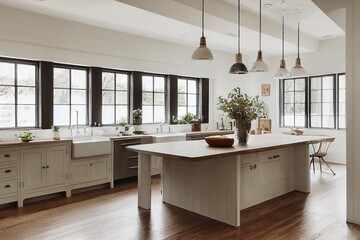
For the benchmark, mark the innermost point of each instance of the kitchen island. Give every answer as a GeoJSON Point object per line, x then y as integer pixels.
{"type": "Point", "coordinates": [219, 182]}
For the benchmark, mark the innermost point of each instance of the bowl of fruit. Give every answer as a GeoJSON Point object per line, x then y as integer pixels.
{"type": "Point", "coordinates": [219, 141]}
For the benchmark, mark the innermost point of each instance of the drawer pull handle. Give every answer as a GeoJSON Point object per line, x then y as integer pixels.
{"type": "Point", "coordinates": [8, 171]}
{"type": "Point", "coordinates": [270, 157]}
{"type": "Point", "coordinates": [276, 156]}
{"type": "Point", "coordinates": [134, 167]}
{"type": "Point", "coordinates": [7, 155]}
{"type": "Point", "coordinates": [7, 186]}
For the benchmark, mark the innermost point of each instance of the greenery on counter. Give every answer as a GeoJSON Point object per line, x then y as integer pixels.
{"type": "Point", "coordinates": [187, 118]}
{"type": "Point", "coordinates": [26, 136]}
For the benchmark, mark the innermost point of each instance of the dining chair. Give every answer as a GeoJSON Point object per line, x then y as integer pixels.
{"type": "Point", "coordinates": [319, 150]}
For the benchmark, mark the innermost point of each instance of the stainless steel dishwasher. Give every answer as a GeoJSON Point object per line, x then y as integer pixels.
{"type": "Point", "coordinates": [125, 161]}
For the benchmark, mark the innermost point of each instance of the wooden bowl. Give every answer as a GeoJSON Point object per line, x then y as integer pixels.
{"type": "Point", "coordinates": [219, 142]}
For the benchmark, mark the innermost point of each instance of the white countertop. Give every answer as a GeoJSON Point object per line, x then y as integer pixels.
{"type": "Point", "coordinates": [197, 150]}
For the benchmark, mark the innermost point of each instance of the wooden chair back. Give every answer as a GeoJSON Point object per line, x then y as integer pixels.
{"type": "Point", "coordinates": [321, 147]}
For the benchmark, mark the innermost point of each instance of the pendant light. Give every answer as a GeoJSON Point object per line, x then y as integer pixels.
{"type": "Point", "coordinates": [259, 65]}
{"type": "Point", "coordinates": [202, 52]}
{"type": "Point", "coordinates": [298, 70]}
{"type": "Point", "coordinates": [282, 72]}
{"type": "Point", "coordinates": [238, 67]}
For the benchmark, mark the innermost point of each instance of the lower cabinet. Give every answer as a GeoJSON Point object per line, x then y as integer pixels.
{"type": "Point", "coordinates": [9, 174]}
{"type": "Point", "coordinates": [266, 175]}
{"type": "Point", "coordinates": [44, 170]}
{"type": "Point", "coordinates": [91, 171]}
{"type": "Point", "coordinates": [156, 165]}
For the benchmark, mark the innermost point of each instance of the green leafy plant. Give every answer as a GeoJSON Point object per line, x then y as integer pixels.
{"type": "Point", "coordinates": [26, 136]}
{"type": "Point", "coordinates": [137, 113]}
{"type": "Point", "coordinates": [187, 118]}
{"type": "Point", "coordinates": [241, 107]}
{"type": "Point", "coordinates": [55, 128]}
{"type": "Point", "coordinates": [122, 122]}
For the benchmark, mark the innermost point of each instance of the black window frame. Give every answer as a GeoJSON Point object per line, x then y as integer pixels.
{"type": "Point", "coordinates": [114, 71]}
{"type": "Point", "coordinates": [187, 79]}
{"type": "Point", "coordinates": [36, 86]}
{"type": "Point", "coordinates": [87, 90]}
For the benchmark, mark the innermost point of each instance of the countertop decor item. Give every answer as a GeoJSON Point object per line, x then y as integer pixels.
{"type": "Point", "coordinates": [137, 116]}
{"type": "Point", "coordinates": [243, 109]}
{"type": "Point", "coordinates": [26, 136]}
{"type": "Point", "coordinates": [219, 141]}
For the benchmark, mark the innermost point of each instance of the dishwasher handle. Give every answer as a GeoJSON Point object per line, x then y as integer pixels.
{"type": "Point", "coordinates": [128, 144]}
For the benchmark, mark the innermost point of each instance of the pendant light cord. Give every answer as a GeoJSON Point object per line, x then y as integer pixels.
{"type": "Point", "coordinates": [238, 26]}
{"type": "Point", "coordinates": [283, 35]}
{"type": "Point", "coordinates": [298, 40]}
{"type": "Point", "coordinates": [260, 28]}
{"type": "Point", "coordinates": [202, 19]}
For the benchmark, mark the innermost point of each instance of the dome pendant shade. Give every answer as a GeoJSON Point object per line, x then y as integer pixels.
{"type": "Point", "coordinates": [259, 65]}
{"type": "Point", "coordinates": [238, 67]}
{"type": "Point", "coordinates": [202, 52]}
{"type": "Point", "coordinates": [298, 70]}
{"type": "Point", "coordinates": [282, 71]}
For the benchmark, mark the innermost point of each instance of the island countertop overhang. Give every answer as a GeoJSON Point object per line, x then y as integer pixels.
{"type": "Point", "coordinates": [199, 150]}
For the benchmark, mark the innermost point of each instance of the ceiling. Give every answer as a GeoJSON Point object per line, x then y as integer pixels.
{"type": "Point", "coordinates": [179, 21]}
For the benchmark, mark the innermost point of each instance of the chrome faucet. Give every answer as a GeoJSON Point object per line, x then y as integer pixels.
{"type": "Point", "coordinates": [161, 127]}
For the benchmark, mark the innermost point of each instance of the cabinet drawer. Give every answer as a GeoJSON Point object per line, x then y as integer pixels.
{"type": "Point", "coordinates": [8, 172]}
{"type": "Point", "coordinates": [8, 187]}
{"type": "Point", "coordinates": [9, 155]}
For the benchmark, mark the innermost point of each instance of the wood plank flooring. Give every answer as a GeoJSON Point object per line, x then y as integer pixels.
{"type": "Point", "coordinates": [113, 214]}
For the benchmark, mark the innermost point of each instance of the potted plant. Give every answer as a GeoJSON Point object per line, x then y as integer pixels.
{"type": "Point", "coordinates": [193, 119]}
{"type": "Point", "coordinates": [26, 136]}
{"type": "Point", "coordinates": [137, 116]}
{"type": "Point", "coordinates": [243, 109]}
{"type": "Point", "coordinates": [56, 135]}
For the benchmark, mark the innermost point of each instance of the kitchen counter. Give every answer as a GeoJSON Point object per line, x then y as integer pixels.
{"type": "Point", "coordinates": [33, 142]}
{"type": "Point", "coordinates": [218, 182]}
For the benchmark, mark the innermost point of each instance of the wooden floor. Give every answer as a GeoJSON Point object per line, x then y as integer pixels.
{"type": "Point", "coordinates": [113, 214]}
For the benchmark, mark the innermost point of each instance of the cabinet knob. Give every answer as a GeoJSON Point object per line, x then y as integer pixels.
{"type": "Point", "coordinates": [7, 186]}
{"type": "Point", "coordinates": [47, 166]}
{"type": "Point", "coordinates": [276, 156]}
{"type": "Point", "coordinates": [43, 167]}
{"type": "Point", "coordinates": [7, 155]}
{"type": "Point", "coordinates": [8, 171]}
{"type": "Point", "coordinates": [251, 167]}
{"type": "Point", "coordinates": [255, 166]}
{"type": "Point", "coordinates": [91, 164]}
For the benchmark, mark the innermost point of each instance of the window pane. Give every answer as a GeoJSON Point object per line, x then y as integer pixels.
{"type": "Point", "coordinates": [78, 97]}
{"type": "Point", "coordinates": [328, 109]}
{"type": "Point", "coordinates": [147, 83]}
{"type": "Point", "coordinates": [289, 121]}
{"type": "Point", "coordinates": [26, 75]}
{"type": "Point", "coordinates": [159, 114]}
{"type": "Point", "coordinates": [78, 79]}
{"type": "Point", "coordinates": [159, 99]}
{"type": "Point", "coordinates": [289, 109]}
{"type": "Point", "coordinates": [289, 85]}
{"type": "Point", "coordinates": [108, 114]}
{"type": "Point", "coordinates": [341, 81]}
{"type": "Point", "coordinates": [328, 95]}
{"type": "Point", "coordinates": [192, 86]}
{"type": "Point", "coordinates": [121, 81]}
{"type": "Point", "coordinates": [342, 122]}
{"type": "Point", "coordinates": [61, 78]}
{"type": "Point", "coordinates": [316, 109]}
{"type": "Point", "coordinates": [159, 84]}
{"type": "Point", "coordinates": [121, 113]}
{"type": "Point", "coordinates": [342, 95]}
{"type": "Point", "coordinates": [328, 82]}
{"type": "Point", "coordinates": [316, 96]}
{"type": "Point", "coordinates": [192, 110]}
{"type": "Point", "coordinates": [342, 109]}
{"type": "Point", "coordinates": [147, 114]}
{"type": "Point", "coordinates": [300, 109]}
{"type": "Point", "coordinates": [300, 121]}
{"type": "Point", "coordinates": [7, 94]}
{"type": "Point", "coordinates": [61, 115]}
{"type": "Point", "coordinates": [182, 99]}
{"type": "Point", "coordinates": [315, 83]}
{"type": "Point", "coordinates": [81, 109]}
{"type": "Point", "coordinates": [61, 96]}
{"type": "Point", "coordinates": [192, 100]}
{"type": "Point", "coordinates": [7, 116]}
{"type": "Point", "coordinates": [147, 98]}
{"type": "Point", "coordinates": [181, 111]}
{"type": "Point", "coordinates": [300, 84]}
{"type": "Point", "coordinates": [121, 97]}
{"type": "Point", "coordinates": [108, 81]}
{"type": "Point", "coordinates": [328, 122]}
{"type": "Point", "coordinates": [299, 97]}
{"type": "Point", "coordinates": [26, 115]}
{"type": "Point", "coordinates": [181, 86]}
{"type": "Point", "coordinates": [26, 95]}
{"type": "Point", "coordinates": [7, 74]}
{"type": "Point", "coordinates": [315, 121]}
{"type": "Point", "coordinates": [108, 97]}
{"type": "Point", "coordinates": [289, 97]}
